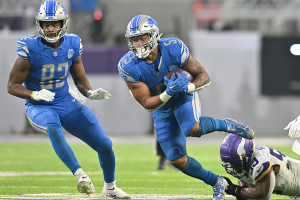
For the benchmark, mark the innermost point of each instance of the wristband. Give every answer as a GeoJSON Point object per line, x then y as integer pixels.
{"type": "Point", "coordinates": [235, 190]}
{"type": "Point", "coordinates": [191, 87]}
{"type": "Point", "coordinates": [164, 97]}
{"type": "Point", "coordinates": [31, 96]}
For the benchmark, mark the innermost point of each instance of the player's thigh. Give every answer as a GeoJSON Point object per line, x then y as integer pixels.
{"type": "Point", "coordinates": [85, 125]}
{"type": "Point", "coordinates": [42, 116]}
{"type": "Point", "coordinates": [170, 137]}
{"type": "Point", "coordinates": [187, 110]}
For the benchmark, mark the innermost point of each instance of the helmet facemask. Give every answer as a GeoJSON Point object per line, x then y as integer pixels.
{"type": "Point", "coordinates": [140, 26]}
{"type": "Point", "coordinates": [52, 11]}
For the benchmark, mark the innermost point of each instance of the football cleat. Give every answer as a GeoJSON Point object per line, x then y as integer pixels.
{"type": "Point", "coordinates": [85, 185]}
{"type": "Point", "coordinates": [219, 189]}
{"type": "Point", "coordinates": [114, 192]}
{"type": "Point", "coordinates": [239, 128]}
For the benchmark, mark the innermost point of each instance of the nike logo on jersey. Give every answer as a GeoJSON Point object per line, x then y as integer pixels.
{"type": "Point", "coordinates": [112, 188]}
{"type": "Point", "coordinates": [73, 100]}
{"type": "Point", "coordinates": [258, 169]}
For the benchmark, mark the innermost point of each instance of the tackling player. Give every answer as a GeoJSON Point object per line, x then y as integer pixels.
{"type": "Point", "coordinates": [39, 75]}
{"type": "Point", "coordinates": [260, 170]}
{"type": "Point", "coordinates": [175, 104]}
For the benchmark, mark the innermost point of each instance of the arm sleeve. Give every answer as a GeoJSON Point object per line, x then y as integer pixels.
{"type": "Point", "coordinates": [22, 49]}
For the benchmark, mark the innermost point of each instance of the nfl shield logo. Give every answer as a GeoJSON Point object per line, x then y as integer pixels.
{"type": "Point", "coordinates": [54, 53]}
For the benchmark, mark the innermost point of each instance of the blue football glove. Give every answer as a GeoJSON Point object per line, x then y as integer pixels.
{"type": "Point", "coordinates": [180, 85]}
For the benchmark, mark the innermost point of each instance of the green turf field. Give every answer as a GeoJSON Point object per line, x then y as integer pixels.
{"type": "Point", "coordinates": [33, 171]}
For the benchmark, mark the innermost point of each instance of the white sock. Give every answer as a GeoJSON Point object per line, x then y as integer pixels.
{"type": "Point", "coordinates": [79, 173]}
{"type": "Point", "coordinates": [110, 185]}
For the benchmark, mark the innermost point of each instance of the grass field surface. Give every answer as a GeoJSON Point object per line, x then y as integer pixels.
{"type": "Point", "coordinates": [33, 171]}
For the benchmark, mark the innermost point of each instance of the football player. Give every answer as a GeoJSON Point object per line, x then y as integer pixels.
{"type": "Point", "coordinates": [39, 75]}
{"type": "Point", "coordinates": [175, 103]}
{"type": "Point", "coordinates": [260, 170]}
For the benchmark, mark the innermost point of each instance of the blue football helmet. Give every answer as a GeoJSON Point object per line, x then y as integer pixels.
{"type": "Point", "coordinates": [52, 11]}
{"type": "Point", "coordinates": [236, 153]}
{"type": "Point", "coordinates": [140, 25]}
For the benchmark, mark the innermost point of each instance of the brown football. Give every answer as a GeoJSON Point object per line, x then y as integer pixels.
{"type": "Point", "coordinates": [180, 71]}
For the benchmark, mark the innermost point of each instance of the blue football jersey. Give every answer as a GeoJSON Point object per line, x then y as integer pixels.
{"type": "Point", "coordinates": [174, 54]}
{"type": "Point", "coordinates": [49, 67]}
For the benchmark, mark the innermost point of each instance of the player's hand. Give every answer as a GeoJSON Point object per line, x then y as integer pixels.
{"type": "Point", "coordinates": [180, 85]}
{"type": "Point", "coordinates": [232, 189]}
{"type": "Point", "coordinates": [98, 94]}
{"type": "Point", "coordinates": [43, 94]}
{"type": "Point", "coordinates": [294, 128]}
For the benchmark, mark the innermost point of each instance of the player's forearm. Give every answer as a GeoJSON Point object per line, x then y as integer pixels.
{"type": "Point", "coordinates": [83, 85]}
{"type": "Point", "coordinates": [152, 103]}
{"type": "Point", "coordinates": [201, 79]}
{"type": "Point", "coordinates": [18, 90]}
{"type": "Point", "coordinates": [252, 193]}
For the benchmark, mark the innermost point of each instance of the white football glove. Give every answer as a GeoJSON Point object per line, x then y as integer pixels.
{"type": "Point", "coordinates": [98, 94]}
{"type": "Point", "coordinates": [43, 94]}
{"type": "Point", "coordinates": [294, 127]}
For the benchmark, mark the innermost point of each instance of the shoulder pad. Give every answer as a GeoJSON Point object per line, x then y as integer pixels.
{"type": "Point", "coordinates": [25, 44]}
{"type": "Point", "coordinates": [260, 166]}
{"type": "Point", "coordinates": [125, 67]}
{"type": "Point", "coordinates": [75, 41]}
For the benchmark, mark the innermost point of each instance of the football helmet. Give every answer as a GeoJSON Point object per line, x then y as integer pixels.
{"type": "Point", "coordinates": [140, 25]}
{"type": "Point", "coordinates": [236, 153]}
{"type": "Point", "coordinates": [52, 11]}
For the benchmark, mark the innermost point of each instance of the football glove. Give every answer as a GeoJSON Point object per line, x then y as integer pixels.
{"type": "Point", "coordinates": [180, 85]}
{"type": "Point", "coordinates": [43, 94]}
{"type": "Point", "coordinates": [233, 189]}
{"type": "Point", "coordinates": [294, 128]}
{"type": "Point", "coordinates": [98, 94]}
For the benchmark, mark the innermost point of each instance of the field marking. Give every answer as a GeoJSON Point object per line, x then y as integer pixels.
{"type": "Point", "coordinates": [101, 196]}
{"type": "Point", "coordinates": [42, 173]}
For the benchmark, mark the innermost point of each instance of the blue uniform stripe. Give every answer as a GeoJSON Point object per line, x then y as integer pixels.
{"type": "Point", "coordinates": [50, 8]}
{"type": "Point", "coordinates": [135, 23]}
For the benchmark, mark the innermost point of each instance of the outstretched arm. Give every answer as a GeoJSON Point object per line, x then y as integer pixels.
{"type": "Point", "coordinates": [260, 191]}
{"type": "Point", "coordinates": [294, 128]}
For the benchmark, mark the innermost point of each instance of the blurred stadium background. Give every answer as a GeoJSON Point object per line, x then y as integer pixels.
{"type": "Point", "coordinates": [243, 44]}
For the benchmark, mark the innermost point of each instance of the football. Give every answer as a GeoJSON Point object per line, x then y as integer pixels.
{"type": "Point", "coordinates": [180, 71]}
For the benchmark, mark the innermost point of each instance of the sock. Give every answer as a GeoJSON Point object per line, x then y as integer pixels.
{"type": "Point", "coordinates": [195, 169]}
{"type": "Point", "coordinates": [79, 172]}
{"type": "Point", "coordinates": [62, 148]}
{"type": "Point", "coordinates": [209, 124]}
{"type": "Point", "coordinates": [110, 185]}
{"type": "Point", "coordinates": [108, 163]}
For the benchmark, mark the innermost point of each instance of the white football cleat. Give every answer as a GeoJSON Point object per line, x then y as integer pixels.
{"type": "Point", "coordinates": [111, 190]}
{"type": "Point", "coordinates": [85, 184]}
